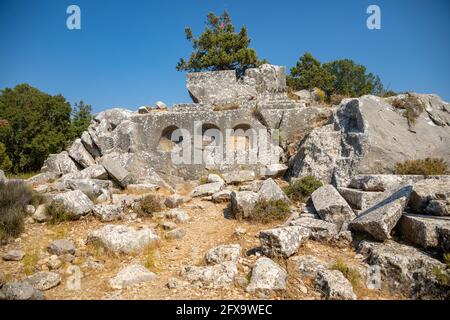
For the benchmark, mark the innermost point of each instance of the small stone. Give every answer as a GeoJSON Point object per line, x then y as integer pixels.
{"type": "Point", "coordinates": [175, 234]}
{"type": "Point", "coordinates": [44, 280]}
{"type": "Point", "coordinates": [14, 255]}
{"type": "Point", "coordinates": [60, 247]}
{"type": "Point", "coordinates": [131, 275]}
{"type": "Point", "coordinates": [169, 225]}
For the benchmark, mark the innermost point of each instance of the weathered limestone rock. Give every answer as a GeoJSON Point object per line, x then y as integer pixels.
{"type": "Point", "coordinates": [14, 255]}
{"type": "Point", "coordinates": [75, 202]}
{"type": "Point", "coordinates": [382, 182]}
{"type": "Point", "coordinates": [131, 275]}
{"type": "Point", "coordinates": [223, 253]}
{"type": "Point", "coordinates": [330, 206]}
{"type": "Point", "coordinates": [334, 285]}
{"type": "Point", "coordinates": [169, 225]}
{"type": "Point", "coordinates": [274, 170]}
{"type": "Point", "coordinates": [90, 187]}
{"type": "Point", "coordinates": [214, 178]}
{"type": "Point", "coordinates": [270, 191]}
{"type": "Point", "coordinates": [381, 218]}
{"type": "Point", "coordinates": [368, 135]}
{"type": "Point", "coordinates": [90, 145]}
{"type": "Point", "coordinates": [177, 214]}
{"type": "Point", "coordinates": [221, 196]}
{"type": "Point", "coordinates": [117, 172]}
{"type": "Point", "coordinates": [59, 163]}
{"type": "Point", "coordinates": [60, 247]}
{"type": "Point", "coordinates": [108, 212]}
{"type": "Point", "coordinates": [404, 268]}
{"type": "Point", "coordinates": [80, 155]}
{"type": "Point", "coordinates": [44, 280]}
{"type": "Point", "coordinates": [40, 215]}
{"type": "Point", "coordinates": [239, 176]}
{"type": "Point", "coordinates": [175, 200]}
{"type": "Point", "coordinates": [93, 172]}
{"type": "Point", "coordinates": [142, 187]}
{"type": "Point", "coordinates": [316, 225]}
{"type": "Point", "coordinates": [308, 266]}
{"type": "Point", "coordinates": [284, 241]}
{"type": "Point", "coordinates": [426, 193]}
{"type": "Point", "coordinates": [423, 230]}
{"type": "Point", "coordinates": [267, 275]}
{"type": "Point", "coordinates": [242, 203]}
{"type": "Point", "coordinates": [20, 291]}
{"type": "Point", "coordinates": [358, 199]}
{"type": "Point", "coordinates": [42, 178]}
{"type": "Point", "coordinates": [175, 234]}
{"type": "Point", "coordinates": [206, 189]}
{"type": "Point", "coordinates": [122, 239]}
{"type": "Point", "coordinates": [217, 276]}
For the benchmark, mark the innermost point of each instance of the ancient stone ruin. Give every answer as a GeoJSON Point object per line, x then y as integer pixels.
{"type": "Point", "coordinates": [391, 230]}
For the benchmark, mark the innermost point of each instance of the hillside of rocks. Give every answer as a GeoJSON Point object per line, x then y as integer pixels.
{"type": "Point", "coordinates": [363, 233]}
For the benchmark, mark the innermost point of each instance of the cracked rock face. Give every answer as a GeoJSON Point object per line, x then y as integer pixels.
{"type": "Point", "coordinates": [369, 135]}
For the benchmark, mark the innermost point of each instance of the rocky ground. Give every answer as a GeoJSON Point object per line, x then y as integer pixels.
{"type": "Point", "coordinates": [199, 250]}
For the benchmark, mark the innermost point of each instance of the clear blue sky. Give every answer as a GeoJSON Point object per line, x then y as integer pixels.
{"type": "Point", "coordinates": [126, 52]}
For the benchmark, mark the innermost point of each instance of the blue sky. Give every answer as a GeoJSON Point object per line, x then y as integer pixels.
{"type": "Point", "coordinates": [126, 52]}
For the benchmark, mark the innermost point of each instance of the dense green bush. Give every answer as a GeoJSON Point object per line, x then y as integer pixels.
{"type": "Point", "coordinates": [57, 212]}
{"type": "Point", "coordinates": [34, 124]}
{"type": "Point", "coordinates": [428, 166]}
{"type": "Point", "coordinates": [268, 211]}
{"type": "Point", "coordinates": [301, 189]}
{"type": "Point", "coordinates": [14, 196]}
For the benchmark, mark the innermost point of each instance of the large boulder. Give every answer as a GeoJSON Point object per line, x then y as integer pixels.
{"type": "Point", "coordinates": [59, 163]}
{"type": "Point", "coordinates": [61, 246]}
{"type": "Point", "coordinates": [44, 280]}
{"type": "Point", "coordinates": [381, 218]}
{"type": "Point", "coordinates": [240, 176]}
{"type": "Point", "coordinates": [80, 155]}
{"type": "Point", "coordinates": [242, 203]}
{"type": "Point", "coordinates": [424, 231]}
{"type": "Point", "coordinates": [116, 171]}
{"type": "Point", "coordinates": [431, 196]}
{"type": "Point", "coordinates": [369, 135]}
{"type": "Point", "coordinates": [284, 241]}
{"type": "Point", "coordinates": [359, 199]}
{"type": "Point", "coordinates": [108, 212]}
{"type": "Point", "coordinates": [405, 269]}
{"type": "Point", "coordinates": [75, 202]}
{"type": "Point", "coordinates": [20, 291]}
{"type": "Point", "coordinates": [267, 275]}
{"type": "Point", "coordinates": [334, 285]}
{"type": "Point", "coordinates": [270, 191]}
{"type": "Point", "coordinates": [122, 239]}
{"type": "Point", "coordinates": [206, 189]}
{"type": "Point", "coordinates": [330, 205]}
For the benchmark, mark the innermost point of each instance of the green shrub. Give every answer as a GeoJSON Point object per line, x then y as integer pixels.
{"type": "Point", "coordinates": [300, 190]}
{"type": "Point", "coordinates": [203, 180]}
{"type": "Point", "coordinates": [14, 196]}
{"type": "Point", "coordinates": [57, 212]}
{"type": "Point", "coordinates": [150, 204]}
{"type": "Point", "coordinates": [5, 161]}
{"type": "Point", "coordinates": [428, 166]}
{"type": "Point", "coordinates": [320, 95]}
{"type": "Point", "coordinates": [268, 211]}
{"type": "Point", "coordinates": [351, 274]}
{"type": "Point", "coordinates": [442, 277]}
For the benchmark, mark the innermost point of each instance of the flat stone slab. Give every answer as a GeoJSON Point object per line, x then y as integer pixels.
{"type": "Point", "coordinates": [122, 239]}
{"type": "Point", "coordinates": [131, 275]}
{"type": "Point", "coordinates": [331, 206]}
{"type": "Point", "coordinates": [358, 199]}
{"type": "Point", "coordinates": [424, 231]}
{"type": "Point", "coordinates": [381, 218]}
